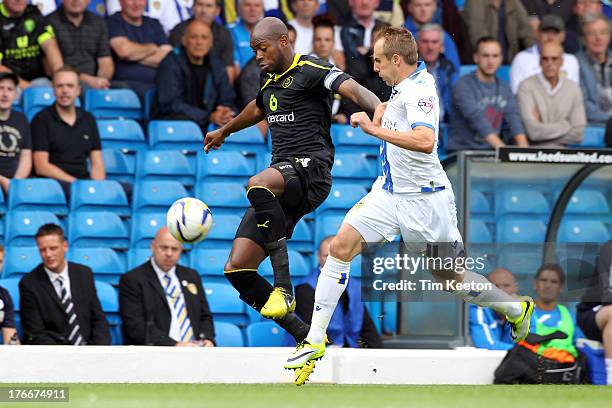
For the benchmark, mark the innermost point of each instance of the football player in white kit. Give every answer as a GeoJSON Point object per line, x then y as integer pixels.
{"type": "Point", "coordinates": [413, 198]}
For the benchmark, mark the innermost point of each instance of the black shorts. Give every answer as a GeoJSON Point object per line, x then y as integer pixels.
{"type": "Point", "coordinates": [308, 182]}
{"type": "Point", "coordinates": [585, 318]}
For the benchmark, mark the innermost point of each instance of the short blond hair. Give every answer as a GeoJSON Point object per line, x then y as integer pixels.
{"type": "Point", "coordinates": [400, 41]}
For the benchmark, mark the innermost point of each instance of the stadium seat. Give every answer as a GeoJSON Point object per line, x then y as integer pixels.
{"type": "Point", "coordinates": [148, 103]}
{"type": "Point", "coordinates": [326, 226]}
{"type": "Point", "coordinates": [109, 300]}
{"type": "Point", "coordinates": [520, 229]}
{"type": "Point", "coordinates": [210, 264]}
{"type": "Point", "coordinates": [36, 99]}
{"type": "Point", "coordinates": [593, 137]}
{"type": "Point", "coordinates": [21, 226]}
{"type": "Point", "coordinates": [99, 195]}
{"type": "Point", "coordinates": [144, 228]}
{"type": "Point", "coordinates": [354, 168]}
{"type": "Point", "coordinates": [588, 202]}
{"type": "Point", "coordinates": [223, 197]}
{"type": "Point", "coordinates": [301, 240]}
{"type": "Point", "coordinates": [228, 335]}
{"type": "Point", "coordinates": [579, 230]}
{"type": "Point", "coordinates": [502, 73]}
{"type": "Point", "coordinates": [156, 195]}
{"type": "Point", "coordinates": [520, 201]}
{"type": "Point", "coordinates": [138, 256]}
{"type": "Point", "coordinates": [222, 232]}
{"type": "Point", "coordinates": [181, 135]}
{"type": "Point", "coordinates": [523, 260]}
{"type": "Point", "coordinates": [20, 260]}
{"type": "Point", "coordinates": [106, 264]}
{"type": "Point", "coordinates": [12, 286]}
{"type": "Point", "coordinates": [165, 165]}
{"type": "Point", "coordinates": [353, 140]}
{"type": "Point", "coordinates": [113, 104]}
{"type": "Point", "coordinates": [265, 334]}
{"type": "Point", "coordinates": [119, 166]}
{"type": "Point", "coordinates": [341, 198]}
{"type": "Point", "coordinates": [2, 202]}
{"type": "Point", "coordinates": [225, 304]}
{"type": "Point", "coordinates": [479, 232]}
{"type": "Point", "coordinates": [246, 141]}
{"type": "Point", "coordinates": [97, 229]}
{"type": "Point", "coordinates": [225, 166]}
{"type": "Point", "coordinates": [467, 69]}
{"type": "Point", "coordinates": [479, 204]}
{"type": "Point", "coordinates": [297, 265]}
{"type": "Point", "coordinates": [124, 135]}
{"type": "Point", "coordinates": [37, 194]}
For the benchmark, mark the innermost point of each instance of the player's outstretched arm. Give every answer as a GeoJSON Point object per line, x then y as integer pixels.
{"type": "Point", "coordinates": [250, 115]}
{"type": "Point", "coordinates": [363, 97]}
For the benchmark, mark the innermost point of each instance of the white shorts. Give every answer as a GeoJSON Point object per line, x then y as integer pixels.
{"type": "Point", "coordinates": [418, 217]}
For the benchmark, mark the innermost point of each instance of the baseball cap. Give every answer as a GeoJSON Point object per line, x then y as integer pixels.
{"type": "Point", "coordinates": [552, 22]}
{"type": "Point", "coordinates": [11, 76]}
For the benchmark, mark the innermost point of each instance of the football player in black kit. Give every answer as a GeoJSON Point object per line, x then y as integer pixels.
{"type": "Point", "coordinates": [295, 97]}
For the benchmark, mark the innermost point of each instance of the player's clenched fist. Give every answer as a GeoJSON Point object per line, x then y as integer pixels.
{"type": "Point", "coordinates": [214, 139]}
{"type": "Point", "coordinates": [362, 120]}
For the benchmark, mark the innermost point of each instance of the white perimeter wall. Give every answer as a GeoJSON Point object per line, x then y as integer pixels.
{"type": "Point", "coordinates": [130, 364]}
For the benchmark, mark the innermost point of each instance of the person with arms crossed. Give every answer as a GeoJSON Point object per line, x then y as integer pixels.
{"type": "Point", "coordinates": [295, 97]}
{"type": "Point", "coordinates": [413, 198]}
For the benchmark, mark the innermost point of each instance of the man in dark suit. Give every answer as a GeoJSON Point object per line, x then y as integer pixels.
{"type": "Point", "coordinates": [162, 303]}
{"type": "Point", "coordinates": [59, 303]}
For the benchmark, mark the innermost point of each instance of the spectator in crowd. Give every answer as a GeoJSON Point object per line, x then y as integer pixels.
{"type": "Point", "coordinates": [351, 324]}
{"type": "Point", "coordinates": [505, 20]}
{"type": "Point", "coordinates": [192, 83]}
{"type": "Point", "coordinates": [58, 299]}
{"type": "Point", "coordinates": [64, 136]}
{"type": "Point", "coordinates": [596, 68]}
{"type": "Point", "coordinates": [223, 46]}
{"type": "Point", "coordinates": [422, 12]}
{"type": "Point", "coordinates": [488, 329]}
{"type": "Point", "coordinates": [551, 105]}
{"type": "Point", "coordinates": [527, 62]}
{"type": "Point", "coordinates": [304, 11]}
{"type": "Point", "coordinates": [573, 29]}
{"type": "Point", "coordinates": [537, 9]}
{"type": "Point", "coordinates": [388, 11]}
{"type": "Point", "coordinates": [138, 43]}
{"type": "Point", "coordinates": [83, 40]}
{"type": "Point", "coordinates": [15, 141]}
{"type": "Point", "coordinates": [8, 330]}
{"type": "Point", "coordinates": [355, 40]}
{"type": "Point", "coordinates": [292, 35]}
{"type": "Point", "coordinates": [485, 112]}
{"type": "Point", "coordinates": [46, 7]}
{"type": "Point", "coordinates": [169, 13]}
{"type": "Point", "coordinates": [250, 12]}
{"type": "Point", "coordinates": [431, 49]}
{"type": "Point", "coordinates": [21, 24]}
{"type": "Point", "coordinates": [163, 303]}
{"type": "Point", "coordinates": [594, 312]}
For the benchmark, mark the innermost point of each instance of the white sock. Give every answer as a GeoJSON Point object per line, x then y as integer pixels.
{"type": "Point", "coordinates": [609, 371]}
{"type": "Point", "coordinates": [494, 298]}
{"type": "Point", "coordinates": [332, 282]}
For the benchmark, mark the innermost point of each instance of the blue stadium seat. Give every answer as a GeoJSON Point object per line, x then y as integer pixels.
{"type": "Point", "coordinates": [593, 137]}
{"type": "Point", "coordinates": [222, 232]}
{"type": "Point", "coordinates": [301, 240]}
{"type": "Point", "coordinates": [97, 229]}
{"type": "Point", "coordinates": [523, 260]}
{"type": "Point", "coordinates": [210, 264]}
{"type": "Point", "coordinates": [326, 226]}
{"type": "Point", "coordinates": [353, 140]}
{"type": "Point", "coordinates": [467, 69]}
{"type": "Point", "coordinates": [520, 229]}
{"type": "Point", "coordinates": [579, 230]}
{"type": "Point", "coordinates": [265, 334]}
{"type": "Point", "coordinates": [479, 232]}
{"type": "Point", "coordinates": [297, 265]}
{"type": "Point", "coordinates": [165, 165]}
{"type": "Point", "coordinates": [225, 166]}
{"type": "Point", "coordinates": [182, 135]}
{"type": "Point", "coordinates": [12, 286]}
{"type": "Point", "coordinates": [21, 226]}
{"type": "Point", "coordinates": [503, 73]}
{"type": "Point", "coordinates": [36, 99]}
{"type": "Point", "coordinates": [228, 335]}
{"type": "Point", "coordinates": [138, 256]}
{"type": "Point", "coordinates": [246, 141]}
{"type": "Point", "coordinates": [124, 135]}
{"type": "Point", "coordinates": [588, 202]}
{"type": "Point", "coordinates": [487, 254]}
{"type": "Point", "coordinates": [106, 264]}
{"type": "Point", "coordinates": [2, 202]}
{"type": "Point", "coordinates": [109, 300]}
{"type": "Point", "coordinates": [37, 194]}
{"type": "Point", "coordinates": [99, 195]}
{"type": "Point", "coordinates": [520, 201]}
{"type": "Point", "coordinates": [479, 204]}
{"type": "Point", "coordinates": [20, 260]}
{"type": "Point", "coordinates": [144, 228]}
{"type": "Point", "coordinates": [156, 195]}
{"type": "Point", "coordinates": [354, 168]}
{"type": "Point", "coordinates": [119, 166]}
{"type": "Point", "coordinates": [113, 104]}
{"type": "Point", "coordinates": [341, 198]}
{"type": "Point", "coordinates": [148, 103]}
{"type": "Point", "coordinates": [223, 197]}
{"type": "Point", "coordinates": [225, 304]}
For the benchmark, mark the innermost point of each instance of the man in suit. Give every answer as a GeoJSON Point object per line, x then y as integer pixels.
{"type": "Point", "coordinates": [162, 303]}
{"type": "Point", "coordinates": [59, 303]}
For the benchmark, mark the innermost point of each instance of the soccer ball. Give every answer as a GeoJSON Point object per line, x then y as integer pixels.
{"type": "Point", "coordinates": [189, 220]}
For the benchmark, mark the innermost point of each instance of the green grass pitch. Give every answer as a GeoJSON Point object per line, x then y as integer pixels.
{"type": "Point", "coordinates": [330, 396]}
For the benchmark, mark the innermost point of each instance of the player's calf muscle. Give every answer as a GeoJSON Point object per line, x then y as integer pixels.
{"type": "Point", "coordinates": [346, 245]}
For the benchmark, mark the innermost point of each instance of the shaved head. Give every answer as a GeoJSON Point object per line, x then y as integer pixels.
{"type": "Point", "coordinates": [504, 280]}
{"type": "Point", "coordinates": [165, 249]}
{"type": "Point", "coordinates": [270, 43]}
{"type": "Point", "coordinates": [269, 28]}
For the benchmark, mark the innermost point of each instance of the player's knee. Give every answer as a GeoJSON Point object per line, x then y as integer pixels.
{"type": "Point", "coordinates": [605, 316]}
{"type": "Point", "coordinates": [342, 249]}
